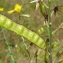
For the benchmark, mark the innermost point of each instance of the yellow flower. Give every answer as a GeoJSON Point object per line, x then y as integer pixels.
{"type": "Point", "coordinates": [1, 9]}
{"type": "Point", "coordinates": [10, 12]}
{"type": "Point", "coordinates": [18, 8]}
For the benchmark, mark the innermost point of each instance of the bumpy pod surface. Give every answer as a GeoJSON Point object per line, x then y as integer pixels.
{"type": "Point", "coordinates": [21, 30]}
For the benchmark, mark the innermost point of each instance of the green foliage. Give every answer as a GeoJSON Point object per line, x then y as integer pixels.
{"type": "Point", "coordinates": [33, 37]}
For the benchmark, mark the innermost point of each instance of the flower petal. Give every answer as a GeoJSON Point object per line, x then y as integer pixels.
{"type": "Point", "coordinates": [10, 12]}
{"type": "Point", "coordinates": [18, 8]}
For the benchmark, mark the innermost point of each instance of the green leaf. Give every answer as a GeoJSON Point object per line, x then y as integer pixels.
{"type": "Point", "coordinates": [21, 30]}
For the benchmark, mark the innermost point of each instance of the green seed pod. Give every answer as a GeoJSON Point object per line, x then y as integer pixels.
{"type": "Point", "coordinates": [43, 10]}
{"type": "Point", "coordinates": [42, 30]}
{"type": "Point", "coordinates": [21, 30]}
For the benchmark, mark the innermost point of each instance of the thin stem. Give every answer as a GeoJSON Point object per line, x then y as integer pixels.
{"type": "Point", "coordinates": [49, 32]}
{"type": "Point", "coordinates": [26, 49]}
{"type": "Point", "coordinates": [9, 48]}
{"type": "Point", "coordinates": [36, 55]}
{"type": "Point", "coordinates": [57, 28]}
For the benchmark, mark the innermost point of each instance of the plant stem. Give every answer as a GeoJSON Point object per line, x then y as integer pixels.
{"type": "Point", "coordinates": [59, 27]}
{"type": "Point", "coordinates": [9, 48]}
{"type": "Point", "coordinates": [36, 55]}
{"type": "Point", "coordinates": [49, 32]}
{"type": "Point", "coordinates": [25, 45]}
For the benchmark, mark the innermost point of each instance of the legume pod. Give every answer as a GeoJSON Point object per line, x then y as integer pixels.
{"type": "Point", "coordinates": [21, 30]}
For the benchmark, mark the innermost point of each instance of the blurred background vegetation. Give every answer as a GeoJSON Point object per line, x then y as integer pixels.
{"type": "Point", "coordinates": [26, 50]}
